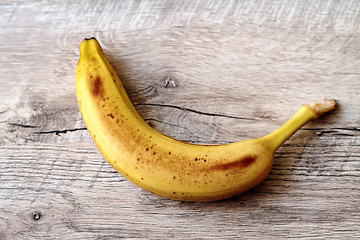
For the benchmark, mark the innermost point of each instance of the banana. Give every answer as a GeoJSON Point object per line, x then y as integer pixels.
{"type": "Point", "coordinates": [163, 165]}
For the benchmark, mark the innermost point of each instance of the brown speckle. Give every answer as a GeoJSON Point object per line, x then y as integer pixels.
{"type": "Point", "coordinates": [147, 149]}
{"type": "Point", "coordinates": [242, 163]}
{"type": "Point", "coordinates": [97, 86]}
{"type": "Point", "coordinates": [247, 161]}
{"type": "Point", "coordinates": [110, 115]}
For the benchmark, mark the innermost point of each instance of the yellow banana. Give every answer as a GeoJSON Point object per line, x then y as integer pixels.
{"type": "Point", "coordinates": [161, 164]}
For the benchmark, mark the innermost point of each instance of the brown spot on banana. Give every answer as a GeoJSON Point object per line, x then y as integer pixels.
{"type": "Point", "coordinates": [241, 163]}
{"type": "Point", "coordinates": [97, 88]}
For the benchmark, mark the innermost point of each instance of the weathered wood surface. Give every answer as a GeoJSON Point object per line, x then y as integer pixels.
{"type": "Point", "coordinates": [200, 71]}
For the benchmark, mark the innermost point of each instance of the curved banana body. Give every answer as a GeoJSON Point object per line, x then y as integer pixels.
{"type": "Point", "coordinates": [161, 164]}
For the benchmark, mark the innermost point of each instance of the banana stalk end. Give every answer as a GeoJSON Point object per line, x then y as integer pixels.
{"type": "Point", "coordinates": [319, 108]}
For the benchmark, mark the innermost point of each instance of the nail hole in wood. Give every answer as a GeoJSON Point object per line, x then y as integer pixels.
{"type": "Point", "coordinates": [36, 216]}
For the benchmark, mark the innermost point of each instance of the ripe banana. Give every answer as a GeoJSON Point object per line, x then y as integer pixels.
{"type": "Point", "coordinates": [163, 165]}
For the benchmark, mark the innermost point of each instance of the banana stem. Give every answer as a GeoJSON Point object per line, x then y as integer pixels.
{"type": "Point", "coordinates": [304, 115]}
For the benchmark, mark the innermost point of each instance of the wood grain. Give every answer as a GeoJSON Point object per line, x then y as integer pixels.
{"type": "Point", "coordinates": [207, 72]}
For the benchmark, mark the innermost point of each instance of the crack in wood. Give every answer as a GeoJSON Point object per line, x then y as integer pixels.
{"type": "Point", "coordinates": [344, 131]}
{"type": "Point", "coordinates": [156, 120]}
{"type": "Point", "coordinates": [58, 132]}
{"type": "Point", "coordinates": [193, 111]}
{"type": "Point", "coordinates": [23, 125]}
{"type": "Point", "coordinates": [336, 128]}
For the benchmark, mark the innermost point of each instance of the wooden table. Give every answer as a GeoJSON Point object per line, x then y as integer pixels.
{"type": "Point", "coordinates": [200, 71]}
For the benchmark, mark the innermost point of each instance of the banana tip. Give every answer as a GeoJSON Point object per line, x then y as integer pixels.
{"type": "Point", "coordinates": [90, 38]}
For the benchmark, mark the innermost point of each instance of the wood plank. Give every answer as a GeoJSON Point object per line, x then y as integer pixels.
{"type": "Point", "coordinates": [234, 93]}
{"type": "Point", "coordinates": [313, 187]}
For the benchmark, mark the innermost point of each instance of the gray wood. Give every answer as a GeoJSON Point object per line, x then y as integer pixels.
{"type": "Point", "coordinates": [206, 72]}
